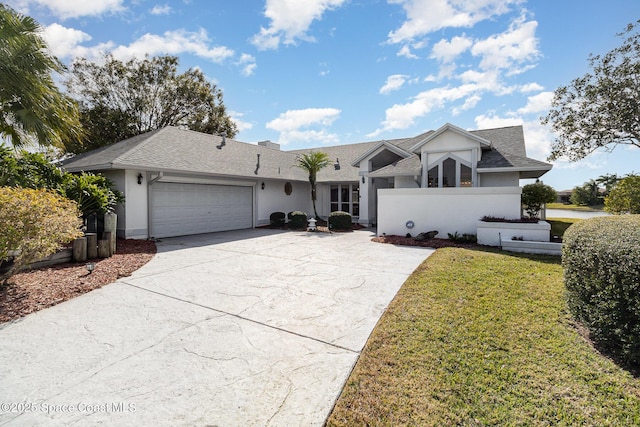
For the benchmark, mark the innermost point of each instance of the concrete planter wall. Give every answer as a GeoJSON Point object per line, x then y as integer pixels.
{"type": "Point", "coordinates": [493, 233]}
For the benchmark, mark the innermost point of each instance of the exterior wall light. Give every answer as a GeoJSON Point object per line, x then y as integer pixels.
{"type": "Point", "coordinates": [140, 179]}
{"type": "Point", "coordinates": [262, 186]}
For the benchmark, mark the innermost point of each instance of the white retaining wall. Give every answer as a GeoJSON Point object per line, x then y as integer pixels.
{"type": "Point", "coordinates": [496, 233]}
{"type": "Point", "coordinates": [447, 210]}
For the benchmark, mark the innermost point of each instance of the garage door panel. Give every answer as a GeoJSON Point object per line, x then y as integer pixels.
{"type": "Point", "coordinates": [179, 209]}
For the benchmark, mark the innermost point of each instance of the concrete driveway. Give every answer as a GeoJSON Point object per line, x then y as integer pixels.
{"type": "Point", "coordinates": [244, 328]}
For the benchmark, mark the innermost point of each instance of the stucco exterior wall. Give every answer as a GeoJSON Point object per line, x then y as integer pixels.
{"type": "Point", "coordinates": [447, 210]}
{"type": "Point", "coordinates": [406, 182]}
{"type": "Point", "coordinates": [132, 216]}
{"type": "Point", "coordinates": [274, 199]}
{"type": "Point", "coordinates": [504, 179]}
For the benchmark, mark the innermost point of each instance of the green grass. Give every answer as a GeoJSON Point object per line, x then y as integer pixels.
{"type": "Point", "coordinates": [575, 207]}
{"type": "Point", "coordinates": [479, 338]}
{"type": "Point", "coordinates": [560, 225]}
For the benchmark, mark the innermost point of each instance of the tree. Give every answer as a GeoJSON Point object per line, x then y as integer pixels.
{"type": "Point", "coordinates": [119, 100]}
{"type": "Point", "coordinates": [588, 194]}
{"type": "Point", "coordinates": [625, 196]}
{"type": "Point", "coordinates": [312, 163]}
{"type": "Point", "coordinates": [609, 181]}
{"type": "Point", "coordinates": [536, 195]}
{"type": "Point", "coordinates": [602, 108]}
{"type": "Point", "coordinates": [34, 223]}
{"type": "Point", "coordinates": [32, 108]}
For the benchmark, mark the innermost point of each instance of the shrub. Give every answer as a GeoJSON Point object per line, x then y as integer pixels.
{"type": "Point", "coordinates": [94, 194]}
{"type": "Point", "coordinates": [601, 260]}
{"type": "Point", "coordinates": [536, 195]}
{"type": "Point", "coordinates": [297, 219]}
{"type": "Point", "coordinates": [34, 223]}
{"type": "Point", "coordinates": [277, 219]}
{"type": "Point", "coordinates": [625, 196]}
{"type": "Point", "coordinates": [340, 220]}
{"type": "Point", "coordinates": [463, 238]}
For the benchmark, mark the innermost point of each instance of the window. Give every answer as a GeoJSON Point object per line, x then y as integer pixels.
{"type": "Point", "coordinates": [346, 198]}
{"type": "Point", "coordinates": [465, 176]}
{"type": "Point", "coordinates": [433, 177]}
{"type": "Point", "coordinates": [450, 172]}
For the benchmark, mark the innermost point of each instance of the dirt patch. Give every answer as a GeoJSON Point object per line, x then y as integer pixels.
{"type": "Point", "coordinates": [35, 290]}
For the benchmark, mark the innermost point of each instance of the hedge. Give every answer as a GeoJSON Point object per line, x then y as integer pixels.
{"type": "Point", "coordinates": [340, 220]}
{"type": "Point", "coordinates": [297, 220]}
{"type": "Point", "coordinates": [601, 261]}
{"type": "Point", "coordinates": [277, 219]}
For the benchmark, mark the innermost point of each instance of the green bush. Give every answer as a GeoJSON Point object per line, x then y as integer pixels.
{"type": "Point", "coordinates": [601, 260]}
{"type": "Point", "coordinates": [94, 194]}
{"type": "Point", "coordinates": [277, 219]}
{"type": "Point", "coordinates": [340, 220]}
{"type": "Point", "coordinates": [536, 195]}
{"type": "Point", "coordinates": [34, 224]}
{"type": "Point", "coordinates": [297, 220]}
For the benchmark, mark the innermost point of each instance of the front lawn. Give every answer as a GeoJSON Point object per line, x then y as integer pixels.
{"type": "Point", "coordinates": [598, 208]}
{"type": "Point", "coordinates": [560, 225]}
{"type": "Point", "coordinates": [484, 338]}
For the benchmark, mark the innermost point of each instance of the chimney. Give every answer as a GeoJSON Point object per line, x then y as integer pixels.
{"type": "Point", "coordinates": [269, 144]}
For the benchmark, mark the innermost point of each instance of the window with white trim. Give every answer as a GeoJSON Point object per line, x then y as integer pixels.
{"type": "Point", "coordinates": [450, 171]}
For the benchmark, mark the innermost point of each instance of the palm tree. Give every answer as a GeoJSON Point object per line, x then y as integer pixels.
{"type": "Point", "coordinates": [312, 163]}
{"type": "Point", "coordinates": [31, 105]}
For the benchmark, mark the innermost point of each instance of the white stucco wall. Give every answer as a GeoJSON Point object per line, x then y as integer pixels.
{"type": "Point", "coordinates": [494, 233]}
{"type": "Point", "coordinates": [274, 199]}
{"type": "Point", "coordinates": [501, 179]}
{"type": "Point", "coordinates": [406, 182]}
{"type": "Point", "coordinates": [132, 217]}
{"type": "Point", "coordinates": [444, 209]}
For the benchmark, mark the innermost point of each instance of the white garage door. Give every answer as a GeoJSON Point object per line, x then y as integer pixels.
{"type": "Point", "coordinates": [180, 209]}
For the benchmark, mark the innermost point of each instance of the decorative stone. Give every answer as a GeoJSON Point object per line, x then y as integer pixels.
{"type": "Point", "coordinates": [426, 236]}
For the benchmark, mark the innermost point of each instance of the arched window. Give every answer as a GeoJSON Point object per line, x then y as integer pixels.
{"type": "Point", "coordinates": [450, 171]}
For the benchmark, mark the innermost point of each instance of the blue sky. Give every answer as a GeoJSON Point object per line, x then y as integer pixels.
{"type": "Point", "coordinates": [325, 72]}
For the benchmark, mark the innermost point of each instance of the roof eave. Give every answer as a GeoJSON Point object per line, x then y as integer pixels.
{"type": "Point", "coordinates": [394, 149]}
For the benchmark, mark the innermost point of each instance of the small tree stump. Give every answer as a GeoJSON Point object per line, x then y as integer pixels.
{"type": "Point", "coordinates": [104, 248]}
{"type": "Point", "coordinates": [79, 252]}
{"type": "Point", "coordinates": [92, 245]}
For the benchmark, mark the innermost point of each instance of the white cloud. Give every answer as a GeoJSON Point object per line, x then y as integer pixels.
{"type": "Point", "coordinates": [537, 103]}
{"type": "Point", "coordinates": [65, 42]}
{"type": "Point", "coordinates": [393, 82]}
{"type": "Point", "coordinates": [515, 46]}
{"type": "Point", "coordinates": [75, 8]}
{"type": "Point", "coordinates": [290, 21]}
{"type": "Point", "coordinates": [236, 117]}
{"type": "Point", "coordinates": [469, 103]}
{"type": "Point", "coordinates": [161, 9]}
{"type": "Point", "coordinates": [406, 52]}
{"type": "Point", "coordinates": [173, 43]}
{"type": "Point", "coordinates": [292, 123]}
{"type": "Point", "coordinates": [426, 16]}
{"type": "Point", "coordinates": [402, 116]}
{"type": "Point", "coordinates": [530, 87]}
{"type": "Point", "coordinates": [68, 43]}
{"type": "Point", "coordinates": [447, 51]}
{"type": "Point", "coordinates": [248, 64]}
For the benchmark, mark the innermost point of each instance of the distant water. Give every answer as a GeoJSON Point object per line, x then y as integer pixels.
{"type": "Point", "coordinates": [567, 213]}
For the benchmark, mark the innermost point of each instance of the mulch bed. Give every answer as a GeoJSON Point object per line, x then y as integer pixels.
{"type": "Point", "coordinates": [34, 290]}
{"type": "Point", "coordinates": [433, 243]}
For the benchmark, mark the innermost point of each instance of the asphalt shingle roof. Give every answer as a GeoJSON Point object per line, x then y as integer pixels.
{"type": "Point", "coordinates": [177, 150]}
